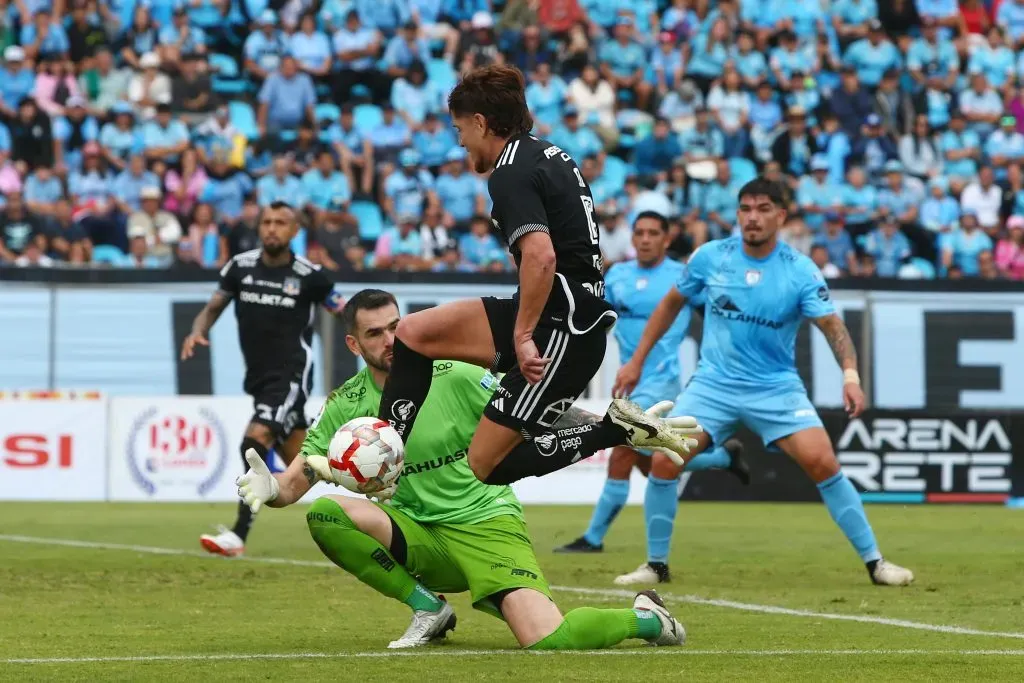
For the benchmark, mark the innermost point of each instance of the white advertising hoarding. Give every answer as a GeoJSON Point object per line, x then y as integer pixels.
{"type": "Point", "coordinates": [53, 449]}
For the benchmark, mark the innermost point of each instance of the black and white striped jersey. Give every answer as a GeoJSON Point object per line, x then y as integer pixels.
{"type": "Point", "coordinates": [275, 310]}
{"type": "Point", "coordinates": [536, 187]}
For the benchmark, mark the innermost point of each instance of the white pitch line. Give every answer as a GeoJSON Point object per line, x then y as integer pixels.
{"type": "Point", "coordinates": [601, 592]}
{"type": "Point", "coordinates": [446, 652]}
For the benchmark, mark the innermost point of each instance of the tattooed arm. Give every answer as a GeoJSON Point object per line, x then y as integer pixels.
{"type": "Point", "coordinates": [294, 482]}
{"type": "Point", "coordinates": [839, 340]}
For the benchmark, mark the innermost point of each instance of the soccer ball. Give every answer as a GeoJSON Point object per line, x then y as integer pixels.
{"type": "Point", "coordinates": [366, 455]}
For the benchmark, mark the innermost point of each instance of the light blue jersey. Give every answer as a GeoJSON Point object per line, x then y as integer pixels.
{"type": "Point", "coordinates": [634, 292]}
{"type": "Point", "coordinates": [747, 369]}
{"type": "Point", "coordinates": [754, 309]}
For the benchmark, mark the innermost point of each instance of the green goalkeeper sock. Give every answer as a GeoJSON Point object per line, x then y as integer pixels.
{"type": "Point", "coordinates": [589, 628]}
{"type": "Point", "coordinates": [363, 557]}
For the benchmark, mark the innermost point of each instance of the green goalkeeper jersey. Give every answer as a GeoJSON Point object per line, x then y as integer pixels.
{"type": "Point", "coordinates": [436, 484]}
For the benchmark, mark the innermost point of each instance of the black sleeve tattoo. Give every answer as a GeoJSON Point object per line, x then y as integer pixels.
{"type": "Point", "coordinates": [839, 340]}
{"type": "Point", "coordinates": [309, 473]}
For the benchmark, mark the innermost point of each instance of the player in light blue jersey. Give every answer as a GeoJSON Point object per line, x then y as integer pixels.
{"type": "Point", "coordinates": [634, 288]}
{"type": "Point", "coordinates": [758, 289]}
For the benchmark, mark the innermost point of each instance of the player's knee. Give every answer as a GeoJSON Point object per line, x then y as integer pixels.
{"type": "Point", "coordinates": [261, 434]}
{"type": "Point", "coordinates": [663, 468]}
{"type": "Point", "coordinates": [620, 463]}
{"type": "Point", "coordinates": [821, 466]}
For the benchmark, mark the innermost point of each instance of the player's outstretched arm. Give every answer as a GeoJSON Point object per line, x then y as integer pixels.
{"type": "Point", "coordinates": [259, 486]}
{"type": "Point", "coordinates": [841, 343]}
{"type": "Point", "coordinates": [658, 324]}
{"type": "Point", "coordinates": [202, 324]}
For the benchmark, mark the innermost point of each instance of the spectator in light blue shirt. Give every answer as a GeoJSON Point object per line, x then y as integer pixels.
{"type": "Point", "coordinates": [433, 141]}
{"type": "Point", "coordinates": [287, 98]}
{"type": "Point", "coordinates": [981, 105]}
{"type": "Point", "coordinates": [667, 62]}
{"type": "Point", "coordinates": [264, 49]}
{"type": "Point", "coordinates": [995, 60]}
{"type": "Point", "coordinates": [129, 183]}
{"type": "Point", "coordinates": [324, 186]}
{"type": "Point", "coordinates": [44, 35]}
{"type": "Point", "coordinates": [873, 56]}
{"type": "Point", "coordinates": [624, 62]}
{"type": "Point", "coordinates": [414, 96]}
{"type": "Point", "coordinates": [850, 17]}
{"type": "Point", "coordinates": [1011, 17]}
{"type": "Point", "coordinates": [939, 212]}
{"type": "Point", "coordinates": [961, 150]}
{"type": "Point", "coordinates": [656, 153]}
{"type": "Point", "coordinates": [933, 58]}
{"type": "Point", "coordinates": [817, 195]}
{"type": "Point", "coordinates": [120, 138]}
{"type": "Point", "coordinates": [17, 81]}
{"type": "Point", "coordinates": [576, 140]}
{"type": "Point", "coordinates": [351, 44]}
{"type": "Point", "coordinates": [226, 189]}
{"type": "Point", "coordinates": [310, 47]}
{"type": "Point", "coordinates": [403, 50]}
{"type": "Point", "coordinates": [185, 38]}
{"type": "Point", "coordinates": [709, 54]}
{"type": "Point", "coordinates": [961, 247]}
{"type": "Point", "coordinates": [1005, 146]}
{"type": "Point", "coordinates": [944, 13]}
{"type": "Point", "coordinates": [478, 245]}
{"type": "Point", "coordinates": [384, 15]}
{"type": "Point", "coordinates": [390, 136]}
{"type": "Point", "coordinates": [42, 189]}
{"type": "Point", "coordinates": [460, 193]}
{"type": "Point", "coordinates": [602, 12]}
{"type": "Point", "coordinates": [408, 189]}
{"type": "Point", "coordinates": [889, 247]}
{"type": "Point", "coordinates": [860, 200]}
{"type": "Point", "coordinates": [838, 243]}
{"type": "Point", "coordinates": [280, 186]}
{"type": "Point", "coordinates": [702, 141]}
{"type": "Point", "coordinates": [749, 61]}
{"type": "Point", "coordinates": [545, 96]}
{"type": "Point", "coordinates": [165, 138]}
{"type": "Point", "coordinates": [899, 197]}
{"type": "Point", "coordinates": [788, 58]}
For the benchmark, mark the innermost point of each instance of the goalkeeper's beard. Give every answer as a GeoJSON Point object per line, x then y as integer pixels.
{"type": "Point", "coordinates": [381, 362]}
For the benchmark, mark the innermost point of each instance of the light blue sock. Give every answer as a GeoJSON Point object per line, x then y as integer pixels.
{"type": "Point", "coordinates": [847, 510]}
{"type": "Point", "coordinates": [660, 502]}
{"type": "Point", "coordinates": [715, 459]}
{"type": "Point", "coordinates": [613, 497]}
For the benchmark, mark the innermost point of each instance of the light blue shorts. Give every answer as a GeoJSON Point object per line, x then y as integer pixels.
{"type": "Point", "coordinates": [771, 413]}
{"type": "Point", "coordinates": [647, 394]}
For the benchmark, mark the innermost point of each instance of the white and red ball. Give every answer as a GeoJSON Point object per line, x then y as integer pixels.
{"type": "Point", "coordinates": [366, 455]}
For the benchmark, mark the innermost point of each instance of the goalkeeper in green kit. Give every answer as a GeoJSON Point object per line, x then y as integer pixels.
{"type": "Point", "coordinates": [443, 530]}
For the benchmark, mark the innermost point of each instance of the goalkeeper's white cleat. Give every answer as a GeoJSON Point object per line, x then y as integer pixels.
{"type": "Point", "coordinates": [225, 542]}
{"type": "Point", "coordinates": [672, 631]}
{"type": "Point", "coordinates": [889, 574]}
{"type": "Point", "coordinates": [649, 430]}
{"type": "Point", "coordinates": [644, 575]}
{"type": "Point", "coordinates": [425, 627]}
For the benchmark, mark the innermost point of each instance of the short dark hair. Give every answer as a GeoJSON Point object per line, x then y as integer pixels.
{"type": "Point", "coordinates": [653, 215]}
{"type": "Point", "coordinates": [498, 93]}
{"type": "Point", "coordinates": [365, 300]}
{"type": "Point", "coordinates": [277, 205]}
{"type": "Point", "coordinates": [762, 186]}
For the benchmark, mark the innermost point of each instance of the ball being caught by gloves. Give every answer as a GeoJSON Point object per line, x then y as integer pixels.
{"type": "Point", "coordinates": [366, 455]}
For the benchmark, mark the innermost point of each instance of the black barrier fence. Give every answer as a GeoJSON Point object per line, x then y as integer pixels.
{"type": "Point", "coordinates": [891, 456]}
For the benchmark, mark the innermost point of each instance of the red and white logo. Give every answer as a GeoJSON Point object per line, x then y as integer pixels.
{"type": "Point", "coordinates": [167, 448]}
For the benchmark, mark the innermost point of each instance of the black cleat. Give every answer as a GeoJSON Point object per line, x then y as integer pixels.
{"type": "Point", "coordinates": [580, 545]}
{"type": "Point", "coordinates": [737, 465]}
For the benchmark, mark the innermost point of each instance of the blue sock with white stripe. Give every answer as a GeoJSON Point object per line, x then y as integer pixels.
{"type": "Point", "coordinates": [660, 502]}
{"type": "Point", "coordinates": [613, 498]}
{"type": "Point", "coordinates": [716, 459]}
{"type": "Point", "coordinates": [847, 510]}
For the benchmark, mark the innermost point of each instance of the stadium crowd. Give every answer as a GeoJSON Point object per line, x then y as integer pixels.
{"type": "Point", "coordinates": [148, 134]}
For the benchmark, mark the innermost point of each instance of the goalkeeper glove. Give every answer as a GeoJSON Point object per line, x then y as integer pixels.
{"type": "Point", "coordinates": [258, 485]}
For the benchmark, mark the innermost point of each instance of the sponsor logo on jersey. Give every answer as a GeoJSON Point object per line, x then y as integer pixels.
{"type": "Point", "coordinates": [753, 277]}
{"type": "Point", "coordinates": [727, 308]}
{"type": "Point", "coordinates": [428, 465]}
{"type": "Point", "coordinates": [247, 280]}
{"type": "Point", "coordinates": [353, 395]}
{"type": "Point", "coordinates": [546, 444]}
{"type": "Point", "coordinates": [267, 299]}
{"type": "Point", "coordinates": [823, 293]}
{"type": "Point", "coordinates": [403, 409]}
{"type": "Point", "coordinates": [292, 286]}
{"type": "Point", "coordinates": [267, 283]}
{"type": "Point", "coordinates": [442, 368]}
{"type": "Point", "coordinates": [488, 380]}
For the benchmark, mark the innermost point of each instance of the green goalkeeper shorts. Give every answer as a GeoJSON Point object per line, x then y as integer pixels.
{"type": "Point", "coordinates": [484, 558]}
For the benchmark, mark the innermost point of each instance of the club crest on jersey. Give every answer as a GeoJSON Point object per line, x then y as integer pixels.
{"type": "Point", "coordinates": [292, 286]}
{"type": "Point", "coordinates": [247, 280]}
{"type": "Point", "coordinates": [753, 277]}
{"type": "Point", "coordinates": [641, 284]}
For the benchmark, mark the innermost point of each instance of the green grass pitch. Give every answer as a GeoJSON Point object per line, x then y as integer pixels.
{"type": "Point", "coordinates": [141, 614]}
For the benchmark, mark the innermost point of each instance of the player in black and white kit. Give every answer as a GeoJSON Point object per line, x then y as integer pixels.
{"type": "Point", "coordinates": [550, 337]}
{"type": "Point", "coordinates": [276, 294]}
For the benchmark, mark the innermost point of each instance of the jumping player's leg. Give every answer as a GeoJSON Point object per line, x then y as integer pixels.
{"type": "Point", "coordinates": [790, 422]}
{"type": "Point", "coordinates": [453, 331]}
